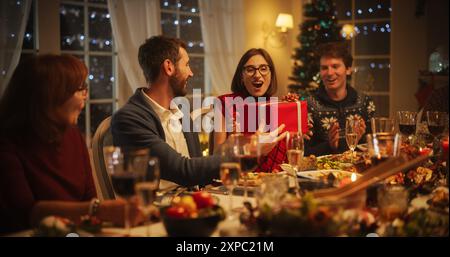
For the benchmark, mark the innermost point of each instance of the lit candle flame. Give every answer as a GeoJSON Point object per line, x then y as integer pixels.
{"type": "Point", "coordinates": [353, 177]}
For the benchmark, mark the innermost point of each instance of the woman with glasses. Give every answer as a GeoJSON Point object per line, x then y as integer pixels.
{"type": "Point", "coordinates": [44, 163]}
{"type": "Point", "coordinates": [255, 76]}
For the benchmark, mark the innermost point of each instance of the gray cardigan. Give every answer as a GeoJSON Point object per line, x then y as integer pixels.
{"type": "Point", "coordinates": [136, 124]}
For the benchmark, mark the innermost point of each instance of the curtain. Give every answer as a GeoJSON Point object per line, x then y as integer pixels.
{"type": "Point", "coordinates": [222, 23]}
{"type": "Point", "coordinates": [132, 23]}
{"type": "Point", "coordinates": [13, 21]}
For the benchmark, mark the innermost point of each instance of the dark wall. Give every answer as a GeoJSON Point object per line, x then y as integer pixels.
{"type": "Point", "coordinates": [437, 25]}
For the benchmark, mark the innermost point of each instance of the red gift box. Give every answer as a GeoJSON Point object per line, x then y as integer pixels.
{"type": "Point", "coordinates": [293, 115]}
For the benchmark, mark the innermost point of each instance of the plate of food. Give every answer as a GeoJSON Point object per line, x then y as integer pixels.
{"type": "Point", "coordinates": [325, 174]}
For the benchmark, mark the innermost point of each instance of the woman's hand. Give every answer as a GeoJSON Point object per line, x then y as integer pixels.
{"type": "Point", "coordinates": [114, 211]}
{"type": "Point", "coordinates": [267, 140]}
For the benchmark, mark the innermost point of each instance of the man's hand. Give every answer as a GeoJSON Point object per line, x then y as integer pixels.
{"type": "Point", "coordinates": [361, 130]}
{"type": "Point", "coordinates": [333, 136]}
{"type": "Point", "coordinates": [309, 134]}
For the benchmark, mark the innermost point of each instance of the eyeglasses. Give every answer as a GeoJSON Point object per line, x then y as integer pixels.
{"type": "Point", "coordinates": [83, 86]}
{"type": "Point", "coordinates": [250, 70]}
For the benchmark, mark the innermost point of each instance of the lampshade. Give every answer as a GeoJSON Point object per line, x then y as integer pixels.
{"type": "Point", "coordinates": [284, 21]}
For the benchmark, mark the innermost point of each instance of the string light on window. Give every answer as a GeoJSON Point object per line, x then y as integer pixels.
{"type": "Point", "coordinates": [193, 10]}
{"type": "Point", "coordinates": [3, 72]}
{"type": "Point", "coordinates": [190, 44]}
{"type": "Point", "coordinates": [81, 37]}
{"type": "Point", "coordinates": [201, 44]}
{"type": "Point", "coordinates": [359, 11]}
{"type": "Point", "coordinates": [382, 29]}
{"type": "Point", "coordinates": [179, 5]}
{"type": "Point", "coordinates": [370, 10]}
{"type": "Point", "coordinates": [93, 14]}
{"type": "Point", "coordinates": [18, 3]}
{"type": "Point", "coordinates": [372, 65]}
{"type": "Point", "coordinates": [111, 79]}
{"type": "Point", "coordinates": [91, 77]}
{"type": "Point", "coordinates": [166, 4]}
{"type": "Point", "coordinates": [379, 6]}
{"type": "Point", "coordinates": [12, 35]}
{"type": "Point", "coordinates": [107, 16]}
{"type": "Point", "coordinates": [189, 21]}
{"type": "Point", "coordinates": [175, 22]}
{"type": "Point", "coordinates": [348, 14]}
{"type": "Point", "coordinates": [390, 9]}
{"type": "Point", "coordinates": [107, 42]}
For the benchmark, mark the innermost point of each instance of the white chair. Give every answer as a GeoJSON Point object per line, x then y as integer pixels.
{"type": "Point", "coordinates": [102, 138]}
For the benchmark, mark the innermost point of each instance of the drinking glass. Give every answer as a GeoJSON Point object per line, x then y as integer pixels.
{"type": "Point", "coordinates": [382, 125]}
{"type": "Point", "coordinates": [146, 190]}
{"type": "Point", "coordinates": [247, 150]}
{"type": "Point", "coordinates": [295, 151]}
{"type": "Point", "coordinates": [436, 122]}
{"type": "Point", "coordinates": [392, 201]}
{"type": "Point", "coordinates": [381, 146]}
{"type": "Point", "coordinates": [407, 123]}
{"type": "Point", "coordinates": [127, 166]}
{"type": "Point", "coordinates": [352, 135]}
{"type": "Point", "coordinates": [229, 175]}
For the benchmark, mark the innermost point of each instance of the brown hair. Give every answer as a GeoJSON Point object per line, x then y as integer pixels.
{"type": "Point", "coordinates": [237, 85]}
{"type": "Point", "coordinates": [38, 86]}
{"type": "Point", "coordinates": [338, 50]}
{"type": "Point", "coordinates": [155, 51]}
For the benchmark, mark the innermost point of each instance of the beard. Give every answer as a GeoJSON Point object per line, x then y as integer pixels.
{"type": "Point", "coordinates": [178, 85]}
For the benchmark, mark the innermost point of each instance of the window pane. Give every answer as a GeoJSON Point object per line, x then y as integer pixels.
{"type": "Point", "coordinates": [29, 37]}
{"type": "Point", "coordinates": [189, 6]}
{"type": "Point", "coordinates": [169, 24]}
{"type": "Point", "coordinates": [343, 9]}
{"type": "Point", "coordinates": [168, 4]}
{"type": "Point", "coordinates": [100, 77]}
{"type": "Point", "coordinates": [191, 33]}
{"type": "Point", "coordinates": [99, 112]}
{"type": "Point", "coordinates": [373, 38]}
{"type": "Point", "coordinates": [381, 105]}
{"type": "Point", "coordinates": [72, 27]}
{"type": "Point", "coordinates": [98, 1]}
{"type": "Point", "coordinates": [371, 9]}
{"type": "Point", "coordinates": [100, 38]}
{"type": "Point", "coordinates": [372, 75]}
{"type": "Point", "coordinates": [198, 80]}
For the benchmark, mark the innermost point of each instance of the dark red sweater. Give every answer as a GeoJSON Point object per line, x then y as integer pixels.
{"type": "Point", "coordinates": [29, 174]}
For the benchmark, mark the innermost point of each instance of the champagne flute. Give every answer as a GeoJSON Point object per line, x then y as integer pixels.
{"type": "Point", "coordinates": [352, 135]}
{"type": "Point", "coordinates": [147, 188]}
{"type": "Point", "coordinates": [229, 175]}
{"type": "Point", "coordinates": [295, 151]}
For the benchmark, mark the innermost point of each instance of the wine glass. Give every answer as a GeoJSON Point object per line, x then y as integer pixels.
{"type": "Point", "coordinates": [352, 134]}
{"type": "Point", "coordinates": [127, 166]}
{"type": "Point", "coordinates": [146, 190]}
{"type": "Point", "coordinates": [295, 151]}
{"type": "Point", "coordinates": [246, 149]}
{"type": "Point", "coordinates": [407, 123]}
{"type": "Point", "coordinates": [436, 125]}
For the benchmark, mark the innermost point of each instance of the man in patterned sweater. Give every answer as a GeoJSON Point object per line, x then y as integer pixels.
{"type": "Point", "coordinates": [334, 102]}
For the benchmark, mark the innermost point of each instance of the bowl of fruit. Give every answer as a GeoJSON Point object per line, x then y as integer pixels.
{"type": "Point", "coordinates": [192, 215]}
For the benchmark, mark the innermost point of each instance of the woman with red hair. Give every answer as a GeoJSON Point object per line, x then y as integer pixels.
{"type": "Point", "coordinates": [44, 163]}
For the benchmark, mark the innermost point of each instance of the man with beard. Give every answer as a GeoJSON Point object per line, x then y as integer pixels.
{"type": "Point", "coordinates": [149, 117]}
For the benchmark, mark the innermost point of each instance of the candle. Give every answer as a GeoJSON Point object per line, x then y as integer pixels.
{"type": "Point", "coordinates": [424, 151]}
{"type": "Point", "coordinates": [445, 149]}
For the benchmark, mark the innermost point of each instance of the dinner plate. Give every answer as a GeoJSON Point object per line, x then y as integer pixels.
{"type": "Point", "coordinates": [316, 174]}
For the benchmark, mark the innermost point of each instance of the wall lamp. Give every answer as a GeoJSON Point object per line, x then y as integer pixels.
{"type": "Point", "coordinates": [277, 36]}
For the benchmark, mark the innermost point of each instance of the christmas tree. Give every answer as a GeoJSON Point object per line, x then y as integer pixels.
{"type": "Point", "coordinates": [319, 26]}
